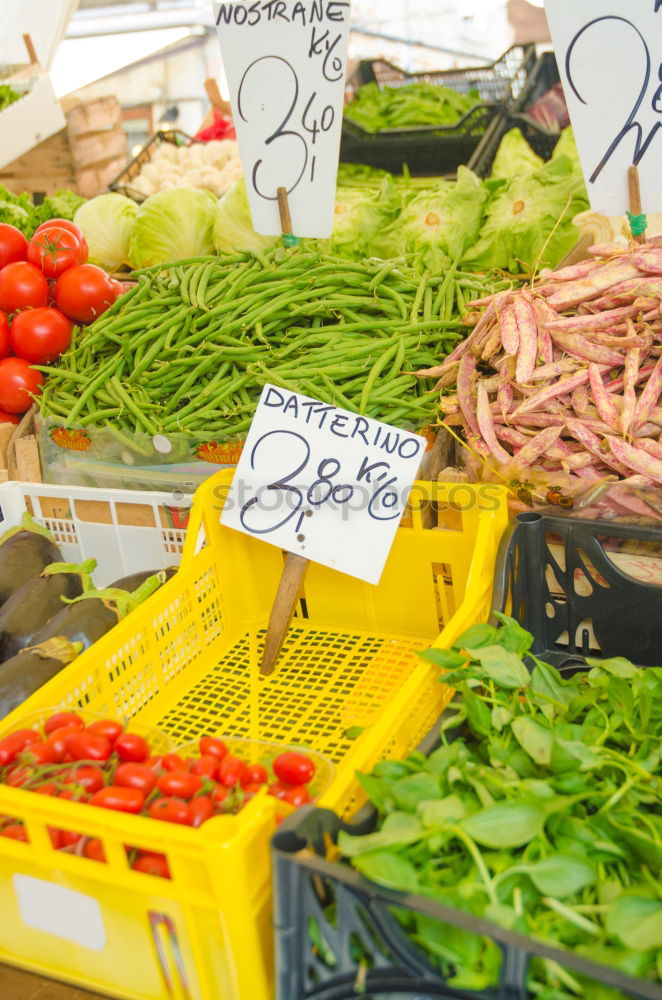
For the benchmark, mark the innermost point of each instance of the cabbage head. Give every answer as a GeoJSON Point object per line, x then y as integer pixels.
{"type": "Point", "coordinates": [515, 156]}
{"type": "Point", "coordinates": [106, 222]}
{"type": "Point", "coordinates": [233, 226]}
{"type": "Point", "coordinates": [360, 215]}
{"type": "Point", "coordinates": [171, 225]}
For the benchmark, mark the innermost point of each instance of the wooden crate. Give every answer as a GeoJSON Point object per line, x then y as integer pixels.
{"type": "Point", "coordinates": [83, 157]}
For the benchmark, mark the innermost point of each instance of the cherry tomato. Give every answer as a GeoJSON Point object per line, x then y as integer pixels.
{"type": "Point", "coordinates": [64, 224]}
{"type": "Point", "coordinates": [297, 796]}
{"type": "Point", "coordinates": [4, 335]}
{"type": "Point", "coordinates": [37, 753]}
{"type": "Point", "coordinates": [18, 384]}
{"type": "Point", "coordinates": [202, 809]}
{"type": "Point", "coordinates": [279, 789]}
{"type": "Point", "coordinates": [219, 795]}
{"type": "Point", "coordinates": [106, 727]}
{"type": "Point", "coordinates": [19, 775]}
{"type": "Point", "coordinates": [172, 811]}
{"type": "Point", "coordinates": [63, 719]}
{"type": "Point", "coordinates": [293, 767]}
{"type": "Point", "coordinates": [173, 762]}
{"type": "Point", "coordinates": [68, 838]}
{"type": "Point", "coordinates": [83, 293]}
{"type": "Point", "coordinates": [257, 775]}
{"type": "Point", "coordinates": [252, 788]}
{"type": "Point", "coordinates": [40, 335]}
{"type": "Point", "coordinates": [10, 418]}
{"type": "Point", "coordinates": [12, 745]}
{"type": "Point", "coordinates": [128, 800]}
{"type": "Point", "coordinates": [135, 776]}
{"type": "Point", "coordinates": [152, 864]}
{"type": "Point", "coordinates": [84, 745]}
{"type": "Point", "coordinates": [57, 741]}
{"type": "Point", "coordinates": [89, 777]}
{"type": "Point", "coordinates": [15, 831]}
{"type": "Point", "coordinates": [209, 746]}
{"type": "Point", "coordinates": [22, 286]}
{"type": "Point", "coordinates": [154, 763]}
{"type": "Point", "coordinates": [54, 249]}
{"type": "Point", "coordinates": [206, 765]}
{"type": "Point", "coordinates": [48, 788]}
{"type": "Point", "coordinates": [13, 245]}
{"type": "Point", "coordinates": [56, 837]}
{"type": "Point", "coordinates": [73, 795]}
{"type": "Point", "coordinates": [94, 850]}
{"type": "Point", "coordinates": [233, 771]}
{"type": "Point", "coordinates": [131, 746]}
{"type": "Point", "coordinates": [181, 784]}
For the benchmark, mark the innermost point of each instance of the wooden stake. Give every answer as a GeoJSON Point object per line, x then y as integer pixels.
{"type": "Point", "coordinates": [634, 195]}
{"type": "Point", "coordinates": [296, 566]}
{"type": "Point", "coordinates": [31, 49]}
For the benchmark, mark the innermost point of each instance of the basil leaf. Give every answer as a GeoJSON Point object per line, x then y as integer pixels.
{"type": "Point", "coordinates": [447, 659]}
{"type": "Point", "coordinates": [441, 812]}
{"type": "Point", "coordinates": [636, 921]}
{"type": "Point", "coordinates": [548, 690]}
{"type": "Point", "coordinates": [512, 636]}
{"type": "Point", "coordinates": [388, 869]}
{"type": "Point", "coordinates": [560, 875]}
{"type": "Point", "coordinates": [616, 665]}
{"type": "Point", "coordinates": [506, 824]}
{"type": "Point", "coordinates": [503, 667]}
{"type": "Point", "coordinates": [477, 635]}
{"type": "Point", "coordinates": [409, 791]}
{"type": "Point", "coordinates": [534, 738]}
{"type": "Point", "coordinates": [377, 790]}
{"type": "Point", "coordinates": [501, 717]}
{"type": "Point", "coordinates": [478, 713]}
{"type": "Point", "coordinates": [398, 830]}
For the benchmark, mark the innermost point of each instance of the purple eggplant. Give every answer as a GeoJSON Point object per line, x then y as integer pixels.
{"type": "Point", "coordinates": [25, 673]}
{"type": "Point", "coordinates": [24, 552]}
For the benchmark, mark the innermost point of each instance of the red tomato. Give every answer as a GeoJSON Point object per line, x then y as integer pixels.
{"type": "Point", "coordinates": [56, 837]}
{"type": "Point", "coordinates": [37, 753]}
{"type": "Point", "coordinates": [10, 418]}
{"type": "Point", "coordinates": [89, 777]}
{"type": "Point", "coordinates": [233, 771]}
{"type": "Point", "coordinates": [181, 784]}
{"type": "Point", "coordinates": [279, 789]}
{"type": "Point", "coordinates": [18, 776]}
{"type": "Point", "coordinates": [212, 747]}
{"type": "Point", "coordinates": [205, 765]}
{"type": "Point", "coordinates": [131, 746]}
{"type": "Point", "coordinates": [84, 745]}
{"type": "Point", "coordinates": [63, 719]}
{"type": "Point", "coordinates": [54, 249]}
{"type": "Point", "coordinates": [219, 795]}
{"type": "Point", "coordinates": [18, 384]}
{"type": "Point", "coordinates": [12, 745]}
{"type": "Point", "coordinates": [13, 245]}
{"type": "Point", "coordinates": [83, 293]}
{"type": "Point", "coordinates": [106, 727]}
{"type": "Point", "coordinates": [15, 831]}
{"type": "Point", "coordinates": [40, 335]}
{"type": "Point", "coordinates": [46, 789]}
{"type": "Point", "coordinates": [135, 776]}
{"type": "Point", "coordinates": [172, 811]}
{"type": "Point", "coordinates": [257, 775]}
{"type": "Point", "coordinates": [4, 335]}
{"type": "Point", "coordinates": [252, 788]}
{"type": "Point", "coordinates": [128, 800]}
{"type": "Point", "coordinates": [173, 762]}
{"type": "Point", "coordinates": [73, 795]}
{"type": "Point", "coordinates": [202, 809]}
{"type": "Point", "coordinates": [152, 864]}
{"type": "Point", "coordinates": [297, 796]}
{"type": "Point", "coordinates": [94, 850]}
{"type": "Point", "coordinates": [68, 838]}
{"type": "Point", "coordinates": [155, 763]}
{"type": "Point", "coordinates": [293, 767]}
{"type": "Point", "coordinates": [22, 286]}
{"type": "Point", "coordinates": [57, 740]}
{"type": "Point", "coordinates": [64, 224]}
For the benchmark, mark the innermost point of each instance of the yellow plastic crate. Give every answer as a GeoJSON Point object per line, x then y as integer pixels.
{"type": "Point", "coordinates": [187, 662]}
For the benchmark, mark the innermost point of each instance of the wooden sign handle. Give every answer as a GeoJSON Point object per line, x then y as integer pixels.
{"type": "Point", "coordinates": [634, 195]}
{"type": "Point", "coordinates": [31, 49]}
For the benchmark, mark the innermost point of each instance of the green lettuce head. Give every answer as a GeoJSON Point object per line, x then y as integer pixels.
{"type": "Point", "coordinates": [171, 225]}
{"type": "Point", "coordinates": [107, 221]}
{"type": "Point", "coordinates": [233, 227]}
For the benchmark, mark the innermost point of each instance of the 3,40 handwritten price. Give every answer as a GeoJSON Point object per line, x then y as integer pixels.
{"type": "Point", "coordinates": [274, 75]}
{"type": "Point", "coordinates": [327, 488]}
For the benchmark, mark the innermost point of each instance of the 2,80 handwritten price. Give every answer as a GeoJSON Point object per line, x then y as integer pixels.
{"type": "Point", "coordinates": [327, 488]}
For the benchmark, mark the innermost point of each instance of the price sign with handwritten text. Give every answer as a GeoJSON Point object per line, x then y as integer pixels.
{"type": "Point", "coordinates": [610, 59]}
{"type": "Point", "coordinates": [322, 482]}
{"type": "Point", "coordinates": [285, 64]}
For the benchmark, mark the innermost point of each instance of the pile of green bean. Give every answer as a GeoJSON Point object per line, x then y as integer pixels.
{"type": "Point", "coordinates": [190, 346]}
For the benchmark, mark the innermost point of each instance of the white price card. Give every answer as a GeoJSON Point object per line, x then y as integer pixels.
{"type": "Point", "coordinates": [285, 63]}
{"type": "Point", "coordinates": [322, 482]}
{"type": "Point", "coordinates": [609, 55]}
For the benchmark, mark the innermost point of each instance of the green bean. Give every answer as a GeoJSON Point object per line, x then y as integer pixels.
{"type": "Point", "coordinates": [125, 398]}
{"type": "Point", "coordinates": [379, 364]}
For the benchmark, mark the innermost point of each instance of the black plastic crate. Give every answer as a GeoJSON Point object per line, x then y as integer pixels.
{"type": "Point", "coordinates": [374, 959]}
{"type": "Point", "coordinates": [122, 183]}
{"type": "Point", "coordinates": [435, 150]}
{"type": "Point", "coordinates": [543, 76]}
{"type": "Point", "coordinates": [554, 575]}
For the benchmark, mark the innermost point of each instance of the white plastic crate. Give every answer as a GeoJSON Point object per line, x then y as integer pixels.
{"type": "Point", "coordinates": [126, 531]}
{"type": "Point", "coordinates": [33, 118]}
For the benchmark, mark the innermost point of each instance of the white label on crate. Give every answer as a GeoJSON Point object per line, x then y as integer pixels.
{"type": "Point", "coordinates": [322, 482]}
{"type": "Point", "coordinates": [285, 64]}
{"type": "Point", "coordinates": [55, 910]}
{"type": "Point", "coordinates": [609, 55]}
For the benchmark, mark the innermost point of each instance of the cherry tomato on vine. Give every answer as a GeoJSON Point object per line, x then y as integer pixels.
{"type": "Point", "coordinates": [279, 789]}
{"type": "Point", "coordinates": [173, 762]}
{"type": "Point", "coordinates": [171, 810]}
{"type": "Point", "coordinates": [181, 784]}
{"type": "Point", "coordinates": [18, 384]}
{"type": "Point", "coordinates": [84, 745]}
{"type": "Point", "coordinates": [19, 775]}
{"type": "Point", "coordinates": [46, 789]}
{"type": "Point", "coordinates": [233, 771]}
{"type": "Point", "coordinates": [15, 831]}
{"type": "Point", "coordinates": [93, 850]}
{"type": "Point", "coordinates": [56, 837]}
{"type": "Point", "coordinates": [12, 745]}
{"type": "Point", "coordinates": [37, 753]}
{"type": "Point", "coordinates": [40, 335]}
{"type": "Point", "coordinates": [54, 249]}
{"type": "Point", "coordinates": [206, 765]}
{"type": "Point", "coordinates": [219, 795]}
{"type": "Point", "coordinates": [293, 767]}
{"type": "Point", "coordinates": [106, 727]}
{"type": "Point", "coordinates": [87, 776]}
{"type": "Point", "coordinates": [63, 719]}
{"type": "Point", "coordinates": [202, 809]}
{"type": "Point", "coordinates": [22, 286]}
{"type": "Point", "coordinates": [68, 838]}
{"type": "Point", "coordinates": [132, 747]}
{"type": "Point", "coordinates": [257, 774]}
{"type": "Point", "coordinates": [128, 800]}
{"type": "Point", "coordinates": [135, 776]}
{"type": "Point", "coordinates": [13, 245]}
{"type": "Point", "coordinates": [209, 746]}
{"type": "Point", "coordinates": [297, 796]}
{"type": "Point", "coordinates": [152, 864]}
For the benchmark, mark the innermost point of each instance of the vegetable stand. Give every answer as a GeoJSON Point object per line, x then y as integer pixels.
{"type": "Point", "coordinates": [349, 685]}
